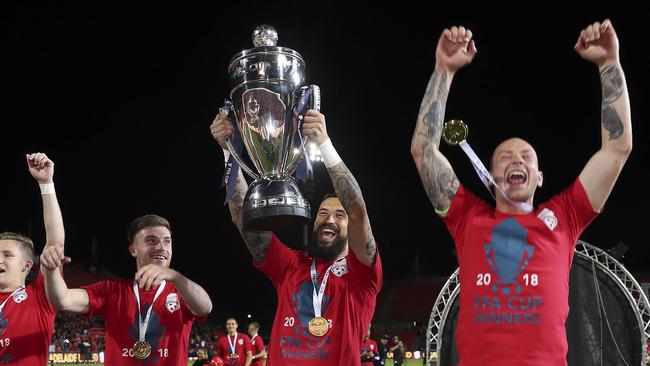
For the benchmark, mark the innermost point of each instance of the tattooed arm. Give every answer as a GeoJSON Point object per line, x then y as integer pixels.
{"type": "Point", "coordinates": [598, 43]}
{"type": "Point", "coordinates": [360, 238]}
{"type": "Point", "coordinates": [455, 49]}
{"type": "Point", "coordinates": [256, 241]}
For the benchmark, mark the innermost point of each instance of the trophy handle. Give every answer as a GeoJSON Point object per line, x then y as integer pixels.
{"type": "Point", "coordinates": [243, 165]}
{"type": "Point", "coordinates": [314, 103]}
{"type": "Point", "coordinates": [227, 110]}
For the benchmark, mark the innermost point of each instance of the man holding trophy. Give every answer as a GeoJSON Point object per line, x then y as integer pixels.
{"type": "Point", "coordinates": [514, 259]}
{"type": "Point", "coordinates": [327, 294]}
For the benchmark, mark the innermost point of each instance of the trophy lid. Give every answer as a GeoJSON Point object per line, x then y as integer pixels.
{"type": "Point", "coordinates": [265, 35]}
{"type": "Point", "coordinates": [266, 61]}
{"type": "Point", "coordinates": [265, 39]}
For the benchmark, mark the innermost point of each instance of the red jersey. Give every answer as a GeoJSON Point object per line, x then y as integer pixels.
{"type": "Point", "coordinates": [348, 306]}
{"type": "Point", "coordinates": [514, 276]}
{"type": "Point", "coordinates": [168, 330]}
{"type": "Point", "coordinates": [26, 325]}
{"type": "Point", "coordinates": [257, 345]}
{"type": "Point", "coordinates": [242, 344]}
{"type": "Point", "coordinates": [368, 346]}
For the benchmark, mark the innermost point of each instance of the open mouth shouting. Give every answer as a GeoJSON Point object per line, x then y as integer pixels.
{"type": "Point", "coordinates": [327, 233]}
{"type": "Point", "coordinates": [516, 177]}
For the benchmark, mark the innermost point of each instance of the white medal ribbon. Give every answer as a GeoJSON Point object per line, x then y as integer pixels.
{"type": "Point", "coordinates": [232, 344]}
{"type": "Point", "coordinates": [2, 306]}
{"type": "Point", "coordinates": [252, 339]}
{"type": "Point", "coordinates": [488, 180]}
{"type": "Point", "coordinates": [143, 324]}
{"type": "Point", "coordinates": [317, 296]}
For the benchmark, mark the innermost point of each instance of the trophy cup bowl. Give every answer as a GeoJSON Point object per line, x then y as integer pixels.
{"type": "Point", "coordinates": [266, 88]}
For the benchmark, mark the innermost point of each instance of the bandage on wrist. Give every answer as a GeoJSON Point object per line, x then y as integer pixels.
{"type": "Point", "coordinates": [329, 154]}
{"type": "Point", "coordinates": [46, 188]}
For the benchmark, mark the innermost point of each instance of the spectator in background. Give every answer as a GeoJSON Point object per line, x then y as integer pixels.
{"type": "Point", "coordinates": [398, 351]}
{"type": "Point", "coordinates": [382, 351]}
{"type": "Point", "coordinates": [257, 344]}
{"type": "Point", "coordinates": [235, 347]}
{"type": "Point", "coordinates": [368, 350]}
{"type": "Point", "coordinates": [202, 357]}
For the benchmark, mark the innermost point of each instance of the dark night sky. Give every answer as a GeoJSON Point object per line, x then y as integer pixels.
{"type": "Point", "coordinates": [121, 98]}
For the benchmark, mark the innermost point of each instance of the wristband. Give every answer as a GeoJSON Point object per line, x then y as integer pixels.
{"type": "Point", "coordinates": [47, 188]}
{"type": "Point", "coordinates": [329, 154]}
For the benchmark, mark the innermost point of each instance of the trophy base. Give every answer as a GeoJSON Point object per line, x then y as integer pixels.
{"type": "Point", "coordinates": [274, 203]}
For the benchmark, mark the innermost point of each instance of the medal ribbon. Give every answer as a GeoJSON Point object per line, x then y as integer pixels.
{"type": "Point", "coordinates": [317, 296]}
{"type": "Point", "coordinates": [143, 324]}
{"type": "Point", "coordinates": [487, 178]}
{"type": "Point", "coordinates": [232, 344]}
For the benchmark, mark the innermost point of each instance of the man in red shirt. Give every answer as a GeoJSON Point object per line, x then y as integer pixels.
{"type": "Point", "coordinates": [326, 294]}
{"type": "Point", "coordinates": [515, 260]}
{"type": "Point", "coordinates": [368, 351]}
{"type": "Point", "coordinates": [26, 317]}
{"type": "Point", "coordinates": [235, 347]}
{"type": "Point", "coordinates": [257, 344]}
{"type": "Point", "coordinates": [148, 318]}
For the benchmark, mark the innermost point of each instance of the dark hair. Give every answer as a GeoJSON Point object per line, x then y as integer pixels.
{"type": "Point", "coordinates": [329, 195]}
{"type": "Point", "coordinates": [26, 244]}
{"type": "Point", "coordinates": [146, 221]}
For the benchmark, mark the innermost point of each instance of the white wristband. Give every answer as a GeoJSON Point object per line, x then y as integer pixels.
{"type": "Point", "coordinates": [226, 155]}
{"type": "Point", "coordinates": [47, 188]}
{"type": "Point", "coordinates": [329, 154]}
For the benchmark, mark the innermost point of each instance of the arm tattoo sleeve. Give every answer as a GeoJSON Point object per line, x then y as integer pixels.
{"type": "Point", "coordinates": [438, 178]}
{"type": "Point", "coordinates": [612, 87]}
{"type": "Point", "coordinates": [432, 108]}
{"type": "Point", "coordinates": [349, 193]}
{"type": "Point", "coordinates": [256, 241]}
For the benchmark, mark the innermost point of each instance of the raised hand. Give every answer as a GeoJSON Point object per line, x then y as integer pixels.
{"type": "Point", "coordinates": [315, 127]}
{"type": "Point", "coordinates": [40, 167]}
{"type": "Point", "coordinates": [598, 43]}
{"type": "Point", "coordinates": [221, 129]}
{"type": "Point", "coordinates": [53, 257]}
{"type": "Point", "coordinates": [455, 49]}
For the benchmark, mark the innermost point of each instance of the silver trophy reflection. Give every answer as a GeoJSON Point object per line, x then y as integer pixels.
{"type": "Point", "coordinates": [268, 99]}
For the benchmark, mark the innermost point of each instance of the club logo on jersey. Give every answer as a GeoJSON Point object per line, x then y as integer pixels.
{"type": "Point", "coordinates": [340, 267]}
{"type": "Point", "coordinates": [240, 342]}
{"type": "Point", "coordinates": [20, 296]}
{"type": "Point", "coordinates": [548, 218]}
{"type": "Point", "coordinates": [172, 302]}
{"type": "Point", "coordinates": [508, 254]}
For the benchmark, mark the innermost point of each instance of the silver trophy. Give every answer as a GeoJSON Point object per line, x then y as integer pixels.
{"type": "Point", "coordinates": [267, 101]}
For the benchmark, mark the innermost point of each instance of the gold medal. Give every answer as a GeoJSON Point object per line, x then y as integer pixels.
{"type": "Point", "coordinates": [454, 131]}
{"type": "Point", "coordinates": [234, 356]}
{"type": "Point", "coordinates": [141, 349]}
{"type": "Point", "coordinates": [318, 326]}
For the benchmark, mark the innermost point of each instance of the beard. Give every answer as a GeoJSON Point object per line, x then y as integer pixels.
{"type": "Point", "coordinates": [317, 249]}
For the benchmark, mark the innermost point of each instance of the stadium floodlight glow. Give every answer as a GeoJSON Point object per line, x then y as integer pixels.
{"type": "Point", "coordinates": [249, 316]}
{"type": "Point", "coordinates": [314, 152]}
